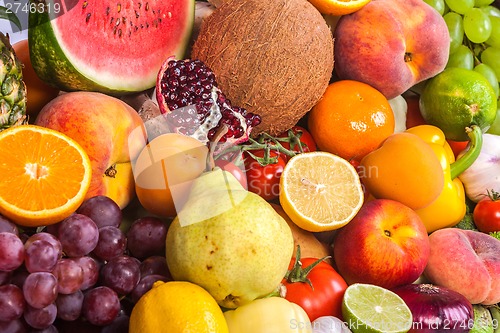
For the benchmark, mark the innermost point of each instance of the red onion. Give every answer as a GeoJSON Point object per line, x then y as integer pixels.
{"type": "Point", "coordinates": [437, 309]}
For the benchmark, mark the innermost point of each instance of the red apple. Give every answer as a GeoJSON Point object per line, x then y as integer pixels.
{"type": "Point", "coordinates": [386, 244]}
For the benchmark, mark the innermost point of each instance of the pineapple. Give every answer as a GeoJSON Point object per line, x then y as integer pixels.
{"type": "Point", "coordinates": [12, 87]}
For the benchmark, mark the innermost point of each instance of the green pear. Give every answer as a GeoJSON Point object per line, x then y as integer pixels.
{"type": "Point", "coordinates": [229, 241]}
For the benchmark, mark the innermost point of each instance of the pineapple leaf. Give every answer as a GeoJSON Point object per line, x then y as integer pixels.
{"type": "Point", "coordinates": [7, 14]}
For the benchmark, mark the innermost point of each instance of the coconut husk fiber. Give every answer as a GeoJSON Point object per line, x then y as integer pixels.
{"type": "Point", "coordinates": [272, 58]}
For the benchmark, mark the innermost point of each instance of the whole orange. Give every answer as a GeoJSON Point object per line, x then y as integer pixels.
{"type": "Point", "coordinates": [38, 92]}
{"type": "Point", "coordinates": [351, 119]}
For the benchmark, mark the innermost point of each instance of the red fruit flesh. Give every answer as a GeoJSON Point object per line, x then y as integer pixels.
{"type": "Point", "coordinates": [187, 93]}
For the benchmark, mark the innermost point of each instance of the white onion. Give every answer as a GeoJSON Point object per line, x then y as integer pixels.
{"type": "Point", "coordinates": [484, 173]}
{"type": "Point", "coordinates": [329, 324]}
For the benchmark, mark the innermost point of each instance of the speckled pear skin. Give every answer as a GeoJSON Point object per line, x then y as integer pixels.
{"type": "Point", "coordinates": [231, 242]}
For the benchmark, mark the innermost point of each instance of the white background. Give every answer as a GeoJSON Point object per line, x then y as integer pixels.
{"type": "Point", "coordinates": [6, 27]}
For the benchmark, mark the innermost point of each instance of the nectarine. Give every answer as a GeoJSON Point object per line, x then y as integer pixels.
{"type": "Point", "coordinates": [109, 130]}
{"type": "Point", "coordinates": [391, 45]}
{"type": "Point", "coordinates": [386, 244]}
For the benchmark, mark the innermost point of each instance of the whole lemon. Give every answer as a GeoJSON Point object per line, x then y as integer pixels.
{"type": "Point", "coordinates": [177, 307]}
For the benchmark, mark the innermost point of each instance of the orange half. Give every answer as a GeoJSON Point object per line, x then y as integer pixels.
{"type": "Point", "coordinates": [44, 175]}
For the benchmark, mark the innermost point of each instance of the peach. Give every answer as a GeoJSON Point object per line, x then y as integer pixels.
{"type": "Point", "coordinates": [109, 130]}
{"type": "Point", "coordinates": [391, 45]}
{"type": "Point", "coordinates": [467, 262]}
{"type": "Point", "coordinates": [386, 244]}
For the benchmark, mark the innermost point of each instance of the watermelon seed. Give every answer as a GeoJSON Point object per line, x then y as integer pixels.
{"type": "Point", "coordinates": [107, 11]}
{"type": "Point", "coordinates": [147, 6]}
{"type": "Point", "coordinates": [117, 22]}
{"type": "Point", "coordinates": [140, 5]}
{"type": "Point", "coordinates": [136, 14]}
{"type": "Point", "coordinates": [85, 4]}
{"type": "Point", "coordinates": [119, 32]}
{"type": "Point", "coordinates": [119, 7]}
{"type": "Point", "coordinates": [87, 18]}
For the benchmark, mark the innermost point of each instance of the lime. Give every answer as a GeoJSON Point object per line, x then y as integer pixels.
{"type": "Point", "coordinates": [457, 98]}
{"type": "Point", "coordinates": [368, 308]}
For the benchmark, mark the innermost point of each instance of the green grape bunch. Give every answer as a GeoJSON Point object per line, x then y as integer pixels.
{"type": "Point", "coordinates": [474, 27]}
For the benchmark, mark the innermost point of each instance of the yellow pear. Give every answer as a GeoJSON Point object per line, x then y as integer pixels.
{"type": "Point", "coordinates": [229, 241]}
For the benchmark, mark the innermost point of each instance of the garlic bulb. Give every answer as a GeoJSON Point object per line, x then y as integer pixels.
{"type": "Point", "coordinates": [484, 173]}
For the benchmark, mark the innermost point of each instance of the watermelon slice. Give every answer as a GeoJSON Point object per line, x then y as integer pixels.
{"type": "Point", "coordinates": [114, 47]}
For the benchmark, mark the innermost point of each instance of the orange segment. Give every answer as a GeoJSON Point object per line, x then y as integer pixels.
{"type": "Point", "coordinates": [320, 191]}
{"type": "Point", "coordinates": [44, 175]}
{"type": "Point", "coordinates": [338, 7]}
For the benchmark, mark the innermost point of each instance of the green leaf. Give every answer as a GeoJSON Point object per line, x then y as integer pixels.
{"type": "Point", "coordinates": [7, 14]}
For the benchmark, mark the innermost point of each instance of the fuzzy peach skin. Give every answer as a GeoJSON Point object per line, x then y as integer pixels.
{"type": "Point", "coordinates": [110, 131]}
{"type": "Point", "coordinates": [386, 244]}
{"type": "Point", "coordinates": [391, 45]}
{"type": "Point", "coordinates": [465, 261]}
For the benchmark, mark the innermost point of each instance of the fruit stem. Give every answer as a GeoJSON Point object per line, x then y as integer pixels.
{"type": "Point", "coordinates": [476, 142]}
{"type": "Point", "coordinates": [298, 273]}
{"type": "Point", "coordinates": [267, 143]}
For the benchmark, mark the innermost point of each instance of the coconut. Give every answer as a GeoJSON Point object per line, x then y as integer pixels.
{"type": "Point", "coordinates": [272, 58]}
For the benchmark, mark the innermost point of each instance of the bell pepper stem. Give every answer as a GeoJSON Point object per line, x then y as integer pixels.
{"type": "Point", "coordinates": [476, 142]}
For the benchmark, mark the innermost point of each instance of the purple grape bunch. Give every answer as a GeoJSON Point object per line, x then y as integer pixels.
{"type": "Point", "coordinates": [87, 270]}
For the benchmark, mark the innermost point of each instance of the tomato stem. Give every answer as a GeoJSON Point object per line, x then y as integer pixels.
{"type": "Point", "coordinates": [493, 195]}
{"type": "Point", "coordinates": [269, 143]}
{"type": "Point", "coordinates": [298, 273]}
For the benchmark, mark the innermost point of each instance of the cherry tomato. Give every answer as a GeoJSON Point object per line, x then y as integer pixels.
{"type": "Point", "coordinates": [236, 171]}
{"type": "Point", "coordinates": [264, 180]}
{"type": "Point", "coordinates": [323, 296]}
{"type": "Point", "coordinates": [457, 146]}
{"type": "Point", "coordinates": [300, 137]}
{"type": "Point", "coordinates": [413, 115]}
{"type": "Point", "coordinates": [486, 214]}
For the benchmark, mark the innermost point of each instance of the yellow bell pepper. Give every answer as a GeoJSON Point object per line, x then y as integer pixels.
{"type": "Point", "coordinates": [449, 207]}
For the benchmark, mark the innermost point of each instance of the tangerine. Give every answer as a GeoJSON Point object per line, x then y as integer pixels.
{"type": "Point", "coordinates": [351, 119]}
{"type": "Point", "coordinates": [164, 171]}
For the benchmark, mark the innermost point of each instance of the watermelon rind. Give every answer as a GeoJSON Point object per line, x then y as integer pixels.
{"type": "Point", "coordinates": [54, 66]}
